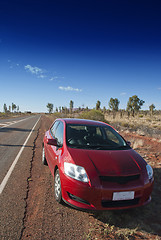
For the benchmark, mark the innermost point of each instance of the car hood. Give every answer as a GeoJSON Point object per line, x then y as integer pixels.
{"type": "Point", "coordinates": [109, 162]}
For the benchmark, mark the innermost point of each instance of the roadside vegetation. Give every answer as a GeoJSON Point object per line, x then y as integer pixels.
{"type": "Point", "coordinates": [12, 110]}
{"type": "Point", "coordinates": [131, 118]}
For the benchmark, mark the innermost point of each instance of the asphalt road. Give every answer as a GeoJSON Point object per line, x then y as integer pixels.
{"type": "Point", "coordinates": [16, 143]}
{"type": "Point", "coordinates": [28, 209]}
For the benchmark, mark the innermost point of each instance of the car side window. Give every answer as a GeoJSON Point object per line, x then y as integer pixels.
{"type": "Point", "coordinates": [53, 128]}
{"type": "Point", "coordinates": [59, 133]}
{"type": "Point", "coordinates": [111, 136]}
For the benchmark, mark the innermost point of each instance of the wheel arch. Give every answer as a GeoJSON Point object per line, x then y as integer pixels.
{"type": "Point", "coordinates": [56, 167]}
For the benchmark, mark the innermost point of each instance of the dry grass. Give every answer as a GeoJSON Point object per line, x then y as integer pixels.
{"type": "Point", "coordinates": [137, 121]}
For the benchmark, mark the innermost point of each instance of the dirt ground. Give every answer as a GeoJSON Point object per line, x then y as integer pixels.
{"type": "Point", "coordinates": [46, 219]}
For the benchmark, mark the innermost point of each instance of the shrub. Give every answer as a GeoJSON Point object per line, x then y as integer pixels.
{"type": "Point", "coordinates": [124, 124]}
{"type": "Point", "coordinates": [59, 115]}
{"type": "Point", "coordinates": [93, 115]}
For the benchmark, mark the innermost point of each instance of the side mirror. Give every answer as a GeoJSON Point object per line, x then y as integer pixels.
{"type": "Point", "coordinates": [129, 143]}
{"type": "Point", "coordinates": [52, 141]}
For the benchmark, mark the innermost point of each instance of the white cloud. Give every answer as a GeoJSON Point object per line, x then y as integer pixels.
{"type": "Point", "coordinates": [123, 93]}
{"type": "Point", "coordinates": [70, 89]}
{"type": "Point", "coordinates": [41, 76]}
{"type": "Point", "coordinates": [159, 88]}
{"type": "Point", "coordinates": [53, 78]}
{"type": "Point", "coordinates": [34, 70]}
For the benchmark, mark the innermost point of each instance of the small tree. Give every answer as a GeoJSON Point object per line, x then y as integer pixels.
{"type": "Point", "coordinates": [134, 104]}
{"type": "Point", "coordinates": [98, 104]}
{"type": "Point", "coordinates": [114, 105]}
{"type": "Point", "coordinates": [13, 107]}
{"type": "Point", "coordinates": [50, 107]}
{"type": "Point", "coordinates": [152, 108]}
{"type": "Point", "coordinates": [5, 108]}
{"type": "Point", "coordinates": [66, 110]}
{"type": "Point", "coordinates": [71, 105]}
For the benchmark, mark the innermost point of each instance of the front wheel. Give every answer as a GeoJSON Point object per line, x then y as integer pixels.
{"type": "Point", "coordinates": [43, 156]}
{"type": "Point", "coordinates": [57, 187]}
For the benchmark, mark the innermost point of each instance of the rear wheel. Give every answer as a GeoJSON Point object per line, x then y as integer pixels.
{"type": "Point", "coordinates": [43, 156]}
{"type": "Point", "coordinates": [57, 187]}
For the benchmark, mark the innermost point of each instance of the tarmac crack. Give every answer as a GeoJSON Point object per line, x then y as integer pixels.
{"type": "Point", "coordinates": [29, 179]}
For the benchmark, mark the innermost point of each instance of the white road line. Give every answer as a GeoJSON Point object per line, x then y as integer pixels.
{"type": "Point", "coordinates": [5, 180]}
{"type": "Point", "coordinates": [13, 122]}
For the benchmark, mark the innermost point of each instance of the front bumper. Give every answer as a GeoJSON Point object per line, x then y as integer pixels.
{"type": "Point", "coordinates": [82, 195]}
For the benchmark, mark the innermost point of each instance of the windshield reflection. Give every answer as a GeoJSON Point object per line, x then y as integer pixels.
{"type": "Point", "coordinates": [94, 137]}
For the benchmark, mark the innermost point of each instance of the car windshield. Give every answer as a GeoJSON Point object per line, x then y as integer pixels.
{"type": "Point", "coordinates": [94, 137]}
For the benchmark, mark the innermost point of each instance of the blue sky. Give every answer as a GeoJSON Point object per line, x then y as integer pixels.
{"type": "Point", "coordinates": [81, 50]}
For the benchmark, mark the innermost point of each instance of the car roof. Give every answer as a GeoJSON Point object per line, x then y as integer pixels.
{"type": "Point", "coordinates": [81, 121]}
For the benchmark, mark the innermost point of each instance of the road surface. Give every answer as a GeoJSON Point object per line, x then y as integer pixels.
{"type": "Point", "coordinates": [28, 207]}
{"type": "Point", "coordinates": [13, 146]}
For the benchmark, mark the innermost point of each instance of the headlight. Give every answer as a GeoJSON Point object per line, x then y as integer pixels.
{"type": "Point", "coordinates": [149, 171]}
{"type": "Point", "coordinates": [75, 172]}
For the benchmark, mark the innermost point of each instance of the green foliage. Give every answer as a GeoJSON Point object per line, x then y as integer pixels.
{"type": "Point", "coordinates": [114, 104]}
{"type": "Point", "coordinates": [134, 104]}
{"type": "Point", "coordinates": [59, 115]}
{"type": "Point", "coordinates": [50, 107]}
{"type": "Point", "coordinates": [124, 124]}
{"type": "Point", "coordinates": [13, 107]}
{"type": "Point", "coordinates": [98, 104]}
{"type": "Point", "coordinates": [71, 105]}
{"type": "Point", "coordinates": [93, 115]}
{"type": "Point", "coordinates": [5, 108]}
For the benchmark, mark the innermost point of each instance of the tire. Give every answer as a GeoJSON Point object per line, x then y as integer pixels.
{"type": "Point", "coordinates": [57, 187]}
{"type": "Point", "coordinates": [43, 157]}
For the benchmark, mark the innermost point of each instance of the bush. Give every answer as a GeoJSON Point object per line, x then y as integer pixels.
{"type": "Point", "coordinates": [93, 115]}
{"type": "Point", "coordinates": [124, 124]}
{"type": "Point", "coordinates": [59, 115]}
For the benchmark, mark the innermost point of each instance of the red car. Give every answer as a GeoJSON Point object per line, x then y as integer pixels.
{"type": "Point", "coordinates": [94, 168]}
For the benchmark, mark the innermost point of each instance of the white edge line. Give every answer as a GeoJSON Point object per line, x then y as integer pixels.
{"type": "Point", "coordinates": [5, 180]}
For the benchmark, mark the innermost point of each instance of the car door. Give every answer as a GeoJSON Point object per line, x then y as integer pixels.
{"type": "Point", "coordinates": [55, 151]}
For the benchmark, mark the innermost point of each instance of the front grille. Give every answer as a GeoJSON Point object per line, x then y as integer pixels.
{"type": "Point", "coordinates": [121, 203]}
{"type": "Point", "coordinates": [119, 179]}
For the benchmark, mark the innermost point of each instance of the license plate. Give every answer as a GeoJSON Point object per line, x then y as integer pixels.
{"type": "Point", "coordinates": [123, 196]}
